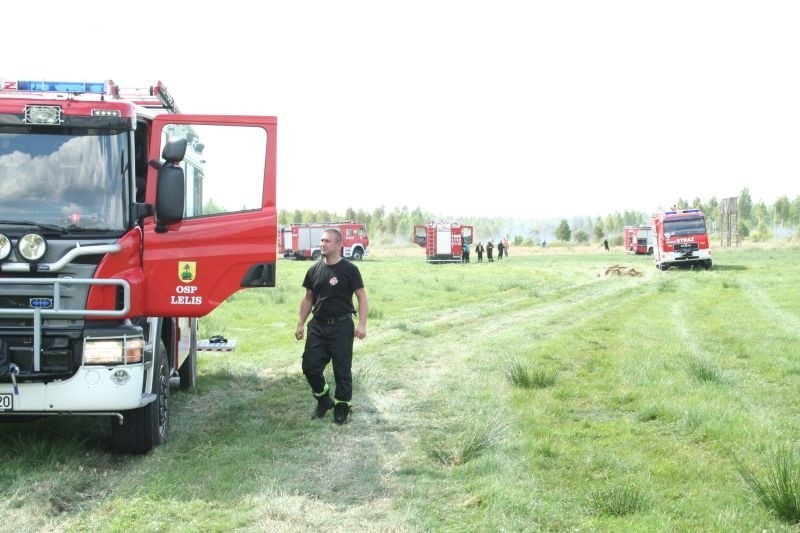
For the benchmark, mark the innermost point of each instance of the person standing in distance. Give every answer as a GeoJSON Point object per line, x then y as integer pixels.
{"type": "Point", "coordinates": [330, 285]}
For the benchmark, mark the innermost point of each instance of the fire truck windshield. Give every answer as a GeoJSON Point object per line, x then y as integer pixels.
{"type": "Point", "coordinates": [73, 181]}
{"type": "Point", "coordinates": [685, 226]}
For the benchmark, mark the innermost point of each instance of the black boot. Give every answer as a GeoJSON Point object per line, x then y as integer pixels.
{"type": "Point", "coordinates": [340, 412]}
{"type": "Point", "coordinates": [324, 404]}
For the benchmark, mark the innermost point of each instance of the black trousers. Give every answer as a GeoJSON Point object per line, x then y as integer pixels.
{"type": "Point", "coordinates": [326, 342]}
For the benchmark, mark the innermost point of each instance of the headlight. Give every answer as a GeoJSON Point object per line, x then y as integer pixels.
{"type": "Point", "coordinates": [5, 246]}
{"type": "Point", "coordinates": [113, 351]}
{"type": "Point", "coordinates": [32, 246]}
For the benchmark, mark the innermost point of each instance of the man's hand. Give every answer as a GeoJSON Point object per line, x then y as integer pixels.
{"type": "Point", "coordinates": [298, 332]}
{"type": "Point", "coordinates": [360, 332]}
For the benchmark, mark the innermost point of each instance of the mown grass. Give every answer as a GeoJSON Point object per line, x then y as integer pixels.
{"type": "Point", "coordinates": [532, 394]}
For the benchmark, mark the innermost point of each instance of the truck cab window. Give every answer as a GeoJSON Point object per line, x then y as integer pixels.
{"type": "Point", "coordinates": [71, 180]}
{"type": "Point", "coordinates": [223, 167]}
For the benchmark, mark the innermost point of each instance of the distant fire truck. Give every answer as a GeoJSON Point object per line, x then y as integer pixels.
{"type": "Point", "coordinates": [680, 239]}
{"type": "Point", "coordinates": [443, 242]}
{"type": "Point", "coordinates": [121, 222]}
{"type": "Point", "coordinates": [301, 241]}
{"type": "Point", "coordinates": [639, 239]}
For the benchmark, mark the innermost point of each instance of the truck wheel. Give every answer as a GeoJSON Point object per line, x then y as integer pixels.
{"type": "Point", "coordinates": [316, 254]}
{"type": "Point", "coordinates": [147, 426]}
{"type": "Point", "coordinates": [188, 370]}
{"type": "Point", "coordinates": [358, 253]}
{"type": "Point", "coordinates": [707, 264]}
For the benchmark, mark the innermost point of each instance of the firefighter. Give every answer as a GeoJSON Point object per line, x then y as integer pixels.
{"type": "Point", "coordinates": [489, 250]}
{"type": "Point", "coordinates": [330, 285]}
{"type": "Point", "coordinates": [479, 251]}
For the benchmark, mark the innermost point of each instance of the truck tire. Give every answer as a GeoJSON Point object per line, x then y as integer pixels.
{"type": "Point", "coordinates": [316, 254]}
{"type": "Point", "coordinates": [145, 427]}
{"type": "Point", "coordinates": [187, 372]}
{"type": "Point", "coordinates": [358, 254]}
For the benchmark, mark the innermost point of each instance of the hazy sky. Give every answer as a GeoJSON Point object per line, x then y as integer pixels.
{"type": "Point", "coordinates": [494, 108]}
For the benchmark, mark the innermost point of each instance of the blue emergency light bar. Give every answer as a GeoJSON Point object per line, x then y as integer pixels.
{"type": "Point", "coordinates": [63, 86]}
{"type": "Point", "coordinates": [681, 211]}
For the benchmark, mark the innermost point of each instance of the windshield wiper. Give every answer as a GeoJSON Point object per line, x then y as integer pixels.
{"type": "Point", "coordinates": [48, 227]}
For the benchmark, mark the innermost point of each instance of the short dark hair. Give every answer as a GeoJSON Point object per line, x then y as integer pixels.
{"type": "Point", "coordinates": [335, 232]}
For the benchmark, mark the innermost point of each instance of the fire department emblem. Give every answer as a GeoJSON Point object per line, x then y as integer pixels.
{"type": "Point", "coordinates": [333, 280]}
{"type": "Point", "coordinates": [187, 270]}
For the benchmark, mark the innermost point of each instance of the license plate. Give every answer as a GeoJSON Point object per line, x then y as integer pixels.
{"type": "Point", "coordinates": [6, 402]}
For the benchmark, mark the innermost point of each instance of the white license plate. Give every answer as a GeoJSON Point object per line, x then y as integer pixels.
{"type": "Point", "coordinates": [6, 402]}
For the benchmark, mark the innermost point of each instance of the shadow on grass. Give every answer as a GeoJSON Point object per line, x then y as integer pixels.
{"type": "Point", "coordinates": [240, 431]}
{"type": "Point", "coordinates": [728, 267]}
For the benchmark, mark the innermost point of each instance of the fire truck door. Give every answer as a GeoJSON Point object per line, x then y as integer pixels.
{"type": "Point", "coordinates": [444, 241]}
{"type": "Point", "coordinates": [227, 239]}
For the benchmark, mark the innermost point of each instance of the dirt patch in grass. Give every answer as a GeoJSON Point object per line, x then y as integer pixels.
{"type": "Point", "coordinates": [619, 270]}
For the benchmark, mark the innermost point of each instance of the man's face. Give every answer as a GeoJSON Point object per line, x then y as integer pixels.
{"type": "Point", "coordinates": [328, 245]}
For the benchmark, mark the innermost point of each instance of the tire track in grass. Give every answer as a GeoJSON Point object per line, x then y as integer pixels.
{"type": "Point", "coordinates": [497, 318]}
{"type": "Point", "coordinates": [683, 332]}
{"type": "Point", "coordinates": [399, 399]}
{"type": "Point", "coordinates": [765, 306]}
{"type": "Point", "coordinates": [419, 370]}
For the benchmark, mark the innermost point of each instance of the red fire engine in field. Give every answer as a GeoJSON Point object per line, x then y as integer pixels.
{"type": "Point", "coordinates": [301, 241]}
{"type": "Point", "coordinates": [443, 242]}
{"type": "Point", "coordinates": [680, 239]}
{"type": "Point", "coordinates": [639, 239]}
{"type": "Point", "coordinates": [121, 222]}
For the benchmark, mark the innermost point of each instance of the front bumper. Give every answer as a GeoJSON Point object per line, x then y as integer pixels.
{"type": "Point", "coordinates": [91, 389]}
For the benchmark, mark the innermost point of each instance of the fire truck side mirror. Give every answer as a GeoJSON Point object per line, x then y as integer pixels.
{"type": "Point", "coordinates": [174, 151]}
{"type": "Point", "coordinates": [170, 186]}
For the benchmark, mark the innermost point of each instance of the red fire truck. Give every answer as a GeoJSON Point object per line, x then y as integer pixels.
{"type": "Point", "coordinates": [302, 240]}
{"type": "Point", "coordinates": [639, 239]}
{"type": "Point", "coordinates": [443, 241]}
{"type": "Point", "coordinates": [680, 239]}
{"type": "Point", "coordinates": [121, 222]}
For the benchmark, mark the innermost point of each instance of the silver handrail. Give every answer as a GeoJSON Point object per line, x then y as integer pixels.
{"type": "Point", "coordinates": [57, 311]}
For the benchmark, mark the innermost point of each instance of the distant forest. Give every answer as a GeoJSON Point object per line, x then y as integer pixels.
{"type": "Point", "coordinates": [757, 222]}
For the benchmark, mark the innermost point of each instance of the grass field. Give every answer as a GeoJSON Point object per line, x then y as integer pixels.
{"type": "Point", "coordinates": [555, 390]}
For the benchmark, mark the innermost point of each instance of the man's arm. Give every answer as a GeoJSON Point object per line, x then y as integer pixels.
{"type": "Point", "coordinates": [305, 309]}
{"type": "Point", "coordinates": [363, 310]}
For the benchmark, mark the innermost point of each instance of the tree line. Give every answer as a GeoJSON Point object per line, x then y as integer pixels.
{"type": "Point", "coordinates": [757, 222]}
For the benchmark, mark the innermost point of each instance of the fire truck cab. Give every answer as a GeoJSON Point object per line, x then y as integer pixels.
{"type": "Point", "coordinates": [121, 222]}
{"type": "Point", "coordinates": [680, 239]}
{"type": "Point", "coordinates": [443, 241]}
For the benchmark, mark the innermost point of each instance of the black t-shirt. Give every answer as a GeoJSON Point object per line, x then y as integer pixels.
{"type": "Point", "coordinates": [332, 287]}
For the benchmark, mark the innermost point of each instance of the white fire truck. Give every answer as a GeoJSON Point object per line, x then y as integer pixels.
{"type": "Point", "coordinates": [301, 241]}
{"type": "Point", "coordinates": [680, 239]}
{"type": "Point", "coordinates": [443, 241]}
{"type": "Point", "coordinates": [121, 222]}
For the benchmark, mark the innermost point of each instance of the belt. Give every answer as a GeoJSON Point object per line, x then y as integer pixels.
{"type": "Point", "coordinates": [333, 319]}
